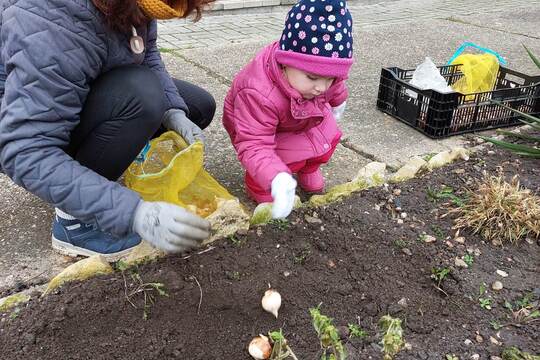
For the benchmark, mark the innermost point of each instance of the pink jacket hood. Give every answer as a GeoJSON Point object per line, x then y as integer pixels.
{"type": "Point", "coordinates": [271, 124]}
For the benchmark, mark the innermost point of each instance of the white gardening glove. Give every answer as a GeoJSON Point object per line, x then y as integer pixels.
{"type": "Point", "coordinates": [338, 111]}
{"type": "Point", "coordinates": [283, 191]}
{"type": "Point", "coordinates": [177, 120]}
{"type": "Point", "coordinates": [169, 227]}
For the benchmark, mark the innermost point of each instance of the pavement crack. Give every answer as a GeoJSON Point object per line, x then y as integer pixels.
{"type": "Point", "coordinates": [220, 78]}
{"type": "Point", "coordinates": [459, 21]}
{"type": "Point", "coordinates": [346, 143]}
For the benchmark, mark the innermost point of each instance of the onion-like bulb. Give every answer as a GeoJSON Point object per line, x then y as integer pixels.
{"type": "Point", "coordinates": [271, 301]}
{"type": "Point", "coordinates": [259, 348]}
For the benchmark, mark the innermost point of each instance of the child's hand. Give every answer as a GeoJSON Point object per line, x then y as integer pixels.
{"type": "Point", "coordinates": [283, 191]}
{"type": "Point", "coordinates": [338, 111]}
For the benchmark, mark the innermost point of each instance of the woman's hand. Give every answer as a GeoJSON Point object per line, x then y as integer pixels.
{"type": "Point", "coordinates": [169, 227]}
{"type": "Point", "coordinates": [177, 120]}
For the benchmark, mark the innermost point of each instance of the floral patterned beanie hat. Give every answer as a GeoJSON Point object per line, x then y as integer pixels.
{"type": "Point", "coordinates": [318, 38]}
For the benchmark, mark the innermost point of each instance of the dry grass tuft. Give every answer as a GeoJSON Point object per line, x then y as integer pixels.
{"type": "Point", "coordinates": [500, 211]}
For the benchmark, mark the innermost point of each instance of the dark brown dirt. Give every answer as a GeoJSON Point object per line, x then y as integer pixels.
{"type": "Point", "coordinates": [358, 262]}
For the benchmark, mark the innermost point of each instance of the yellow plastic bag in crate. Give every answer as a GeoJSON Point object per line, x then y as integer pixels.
{"type": "Point", "coordinates": [173, 172]}
{"type": "Point", "coordinates": [479, 73]}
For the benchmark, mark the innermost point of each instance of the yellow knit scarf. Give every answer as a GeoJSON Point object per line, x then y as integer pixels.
{"type": "Point", "coordinates": [158, 9]}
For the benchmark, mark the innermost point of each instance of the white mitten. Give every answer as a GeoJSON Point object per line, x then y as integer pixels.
{"type": "Point", "coordinates": [283, 191]}
{"type": "Point", "coordinates": [338, 111]}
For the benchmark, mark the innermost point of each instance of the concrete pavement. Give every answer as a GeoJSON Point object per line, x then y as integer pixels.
{"type": "Point", "coordinates": [396, 33]}
{"type": "Point", "coordinates": [245, 27]}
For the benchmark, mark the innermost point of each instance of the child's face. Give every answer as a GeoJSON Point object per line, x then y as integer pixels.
{"type": "Point", "coordinates": [308, 85]}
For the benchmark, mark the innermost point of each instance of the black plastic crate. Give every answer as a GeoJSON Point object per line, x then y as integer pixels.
{"type": "Point", "coordinates": [440, 115]}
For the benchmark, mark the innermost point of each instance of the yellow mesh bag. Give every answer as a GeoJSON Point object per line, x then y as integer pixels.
{"type": "Point", "coordinates": [173, 172]}
{"type": "Point", "coordinates": [479, 73]}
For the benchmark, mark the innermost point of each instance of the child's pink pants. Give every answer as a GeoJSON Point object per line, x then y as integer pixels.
{"type": "Point", "coordinates": [260, 195]}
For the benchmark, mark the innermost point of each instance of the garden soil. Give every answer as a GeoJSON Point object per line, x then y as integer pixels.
{"type": "Point", "coordinates": [353, 258]}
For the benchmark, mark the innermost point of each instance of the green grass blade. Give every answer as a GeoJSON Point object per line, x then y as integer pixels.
{"type": "Point", "coordinates": [526, 116]}
{"type": "Point", "coordinates": [534, 156]}
{"type": "Point", "coordinates": [533, 125]}
{"type": "Point", "coordinates": [519, 136]}
{"type": "Point", "coordinates": [534, 58]}
{"type": "Point", "coordinates": [517, 148]}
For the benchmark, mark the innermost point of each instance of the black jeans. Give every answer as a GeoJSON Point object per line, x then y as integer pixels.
{"type": "Point", "coordinates": [122, 112]}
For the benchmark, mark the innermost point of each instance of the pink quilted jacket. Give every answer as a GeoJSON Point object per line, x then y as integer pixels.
{"type": "Point", "coordinates": [271, 125]}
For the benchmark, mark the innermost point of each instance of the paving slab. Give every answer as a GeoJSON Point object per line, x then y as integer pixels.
{"type": "Point", "coordinates": [366, 13]}
{"type": "Point", "coordinates": [520, 21]}
{"type": "Point", "coordinates": [25, 239]}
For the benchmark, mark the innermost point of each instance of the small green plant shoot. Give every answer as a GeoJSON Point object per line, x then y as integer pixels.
{"type": "Point", "coordinates": [445, 193]}
{"type": "Point", "coordinates": [485, 303]}
{"type": "Point", "coordinates": [147, 289]}
{"type": "Point", "coordinates": [356, 331]}
{"type": "Point", "coordinates": [429, 156]}
{"type": "Point", "coordinates": [328, 336]}
{"type": "Point", "coordinates": [495, 325]}
{"type": "Point", "coordinates": [525, 301]}
{"type": "Point", "coordinates": [400, 243]}
{"type": "Point", "coordinates": [392, 340]}
{"type": "Point", "coordinates": [280, 348]}
{"type": "Point", "coordinates": [233, 275]}
{"type": "Point", "coordinates": [302, 256]}
{"type": "Point", "coordinates": [513, 353]}
{"type": "Point", "coordinates": [469, 259]}
{"type": "Point", "coordinates": [235, 241]}
{"type": "Point", "coordinates": [439, 274]}
{"type": "Point", "coordinates": [15, 313]}
{"type": "Point", "coordinates": [525, 310]}
{"type": "Point", "coordinates": [439, 233]}
{"type": "Point", "coordinates": [282, 224]}
{"type": "Point", "coordinates": [121, 266]}
{"type": "Point", "coordinates": [482, 289]}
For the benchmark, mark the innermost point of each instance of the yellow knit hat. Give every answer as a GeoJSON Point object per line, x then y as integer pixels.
{"type": "Point", "coordinates": [158, 9]}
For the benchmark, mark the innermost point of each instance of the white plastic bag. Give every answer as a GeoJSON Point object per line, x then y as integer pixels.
{"type": "Point", "coordinates": [427, 76]}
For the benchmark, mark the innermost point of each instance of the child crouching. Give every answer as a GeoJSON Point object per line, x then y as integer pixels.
{"type": "Point", "coordinates": [281, 109]}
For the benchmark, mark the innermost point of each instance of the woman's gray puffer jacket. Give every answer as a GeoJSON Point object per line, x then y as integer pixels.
{"type": "Point", "coordinates": [51, 50]}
